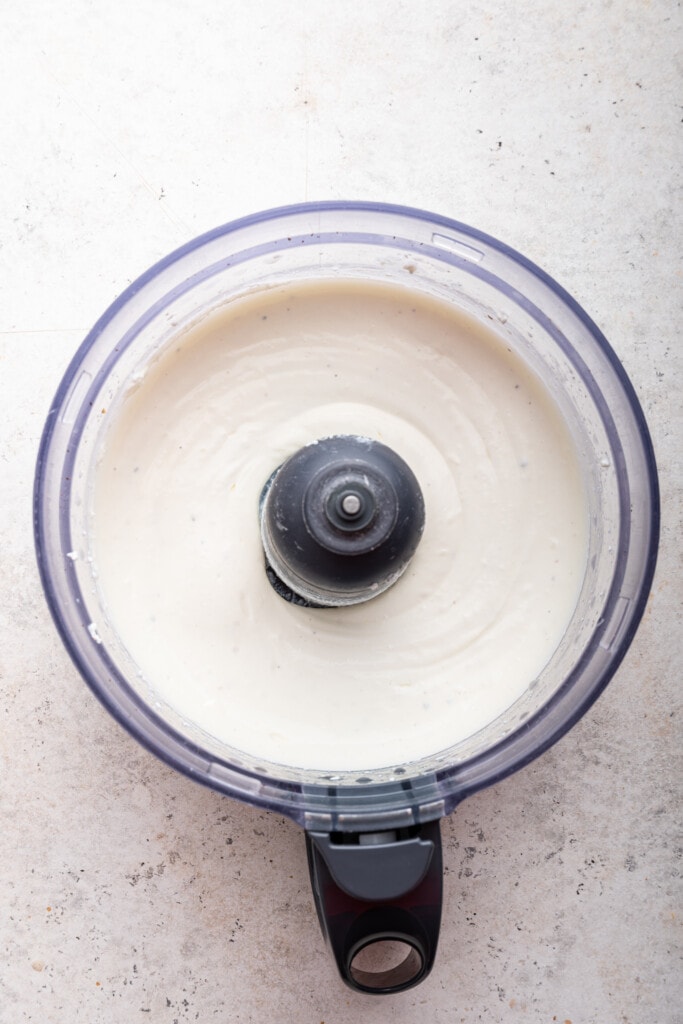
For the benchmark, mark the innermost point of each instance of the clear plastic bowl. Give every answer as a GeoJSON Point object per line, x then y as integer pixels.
{"type": "Point", "coordinates": [475, 273]}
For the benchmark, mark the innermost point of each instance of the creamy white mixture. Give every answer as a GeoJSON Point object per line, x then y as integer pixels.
{"type": "Point", "coordinates": [460, 636]}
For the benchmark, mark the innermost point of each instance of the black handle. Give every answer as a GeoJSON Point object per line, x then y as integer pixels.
{"type": "Point", "coordinates": [378, 897]}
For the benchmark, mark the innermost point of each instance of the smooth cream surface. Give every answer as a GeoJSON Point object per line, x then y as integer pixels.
{"type": "Point", "coordinates": [460, 636]}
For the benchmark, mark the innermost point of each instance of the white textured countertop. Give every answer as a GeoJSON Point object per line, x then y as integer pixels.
{"type": "Point", "coordinates": [129, 893]}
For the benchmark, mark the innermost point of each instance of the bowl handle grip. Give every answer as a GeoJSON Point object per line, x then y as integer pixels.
{"type": "Point", "coordinates": [375, 889]}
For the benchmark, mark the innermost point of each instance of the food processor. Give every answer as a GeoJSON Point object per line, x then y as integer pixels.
{"type": "Point", "coordinates": [340, 520]}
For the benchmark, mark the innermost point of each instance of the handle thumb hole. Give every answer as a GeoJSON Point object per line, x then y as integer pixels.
{"type": "Point", "coordinates": [385, 963]}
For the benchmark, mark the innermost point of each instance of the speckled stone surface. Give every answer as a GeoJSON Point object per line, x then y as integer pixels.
{"type": "Point", "coordinates": [127, 892]}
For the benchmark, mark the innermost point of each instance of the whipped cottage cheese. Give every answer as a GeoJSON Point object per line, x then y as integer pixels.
{"type": "Point", "coordinates": [484, 602]}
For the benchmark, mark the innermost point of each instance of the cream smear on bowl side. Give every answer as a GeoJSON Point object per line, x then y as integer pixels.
{"type": "Point", "coordinates": [486, 598]}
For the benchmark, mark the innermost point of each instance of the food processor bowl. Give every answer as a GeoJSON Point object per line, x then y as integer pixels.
{"type": "Point", "coordinates": [372, 837]}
